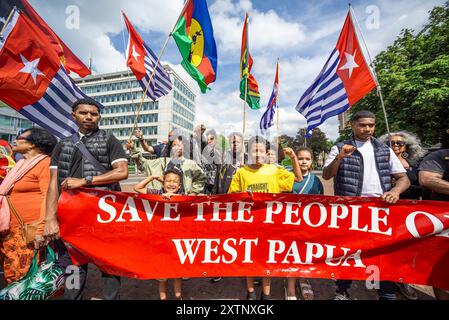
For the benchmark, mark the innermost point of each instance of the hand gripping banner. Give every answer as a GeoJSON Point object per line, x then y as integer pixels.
{"type": "Point", "coordinates": [278, 235]}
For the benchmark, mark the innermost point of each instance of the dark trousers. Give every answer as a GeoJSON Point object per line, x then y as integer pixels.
{"type": "Point", "coordinates": [386, 290]}
{"type": "Point", "coordinates": [111, 285]}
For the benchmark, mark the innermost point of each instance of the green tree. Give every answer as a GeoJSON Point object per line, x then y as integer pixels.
{"type": "Point", "coordinates": [413, 73]}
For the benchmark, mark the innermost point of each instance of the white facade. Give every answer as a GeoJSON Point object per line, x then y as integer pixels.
{"type": "Point", "coordinates": [121, 95]}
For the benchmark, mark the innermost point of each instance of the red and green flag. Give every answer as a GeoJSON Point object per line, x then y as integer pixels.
{"type": "Point", "coordinates": [249, 89]}
{"type": "Point", "coordinates": [194, 37]}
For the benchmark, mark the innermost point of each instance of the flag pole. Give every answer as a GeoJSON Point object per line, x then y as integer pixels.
{"type": "Point", "coordinates": [278, 109]}
{"type": "Point", "coordinates": [154, 70]}
{"type": "Point", "coordinates": [244, 109]}
{"type": "Point", "coordinates": [372, 70]}
{"type": "Point", "coordinates": [7, 20]}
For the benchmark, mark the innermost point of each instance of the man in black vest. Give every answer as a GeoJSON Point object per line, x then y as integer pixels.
{"type": "Point", "coordinates": [364, 167]}
{"type": "Point", "coordinates": [70, 169]}
{"type": "Point", "coordinates": [434, 176]}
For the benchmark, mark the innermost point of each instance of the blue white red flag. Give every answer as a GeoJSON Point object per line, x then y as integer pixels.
{"type": "Point", "coordinates": [344, 80]}
{"type": "Point", "coordinates": [33, 80]}
{"type": "Point", "coordinates": [267, 120]}
{"type": "Point", "coordinates": [141, 60]}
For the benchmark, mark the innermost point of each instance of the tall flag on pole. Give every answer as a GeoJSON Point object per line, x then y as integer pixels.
{"type": "Point", "coordinates": [141, 60]}
{"type": "Point", "coordinates": [70, 61]}
{"type": "Point", "coordinates": [267, 120]}
{"type": "Point", "coordinates": [344, 80]}
{"type": "Point", "coordinates": [32, 79]}
{"type": "Point", "coordinates": [249, 88]}
{"type": "Point", "coordinates": [194, 37]}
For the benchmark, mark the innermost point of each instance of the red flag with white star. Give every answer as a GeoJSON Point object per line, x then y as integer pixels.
{"type": "Point", "coordinates": [353, 69]}
{"type": "Point", "coordinates": [344, 80]}
{"type": "Point", "coordinates": [142, 61]}
{"type": "Point", "coordinates": [32, 79]}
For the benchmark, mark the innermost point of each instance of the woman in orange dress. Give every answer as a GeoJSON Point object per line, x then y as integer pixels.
{"type": "Point", "coordinates": [26, 185]}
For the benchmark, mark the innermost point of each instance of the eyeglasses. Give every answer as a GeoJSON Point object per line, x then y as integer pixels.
{"type": "Point", "coordinates": [399, 143]}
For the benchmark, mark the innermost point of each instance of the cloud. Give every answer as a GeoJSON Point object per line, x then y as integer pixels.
{"type": "Point", "coordinates": [302, 34]}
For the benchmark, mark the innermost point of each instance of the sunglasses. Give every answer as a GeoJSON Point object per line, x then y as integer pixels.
{"type": "Point", "coordinates": [399, 143]}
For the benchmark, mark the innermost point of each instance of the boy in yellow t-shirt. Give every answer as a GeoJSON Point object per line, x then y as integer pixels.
{"type": "Point", "coordinates": [258, 176]}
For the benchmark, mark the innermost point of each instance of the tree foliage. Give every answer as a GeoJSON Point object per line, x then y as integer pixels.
{"type": "Point", "coordinates": [414, 75]}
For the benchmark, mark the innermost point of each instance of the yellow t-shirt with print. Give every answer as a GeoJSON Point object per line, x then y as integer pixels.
{"type": "Point", "coordinates": [269, 178]}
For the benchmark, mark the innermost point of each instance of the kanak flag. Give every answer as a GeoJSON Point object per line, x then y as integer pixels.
{"type": "Point", "coordinates": [344, 80]}
{"type": "Point", "coordinates": [141, 60]}
{"type": "Point", "coordinates": [32, 79]}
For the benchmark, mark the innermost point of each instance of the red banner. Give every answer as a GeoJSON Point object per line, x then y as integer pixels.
{"type": "Point", "coordinates": [279, 235]}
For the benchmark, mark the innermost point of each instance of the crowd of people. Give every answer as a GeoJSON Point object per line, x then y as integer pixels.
{"type": "Point", "coordinates": [392, 167]}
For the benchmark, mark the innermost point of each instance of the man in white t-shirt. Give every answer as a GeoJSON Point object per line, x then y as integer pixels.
{"type": "Point", "coordinates": [363, 166]}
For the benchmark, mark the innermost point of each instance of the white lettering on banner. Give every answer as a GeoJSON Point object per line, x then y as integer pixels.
{"type": "Point", "coordinates": [375, 219]}
{"type": "Point", "coordinates": [355, 220]}
{"type": "Point", "coordinates": [412, 227]}
{"type": "Point", "coordinates": [244, 207]}
{"type": "Point", "coordinates": [335, 216]}
{"type": "Point", "coordinates": [270, 211]}
{"type": "Point", "coordinates": [289, 212]}
{"type": "Point", "coordinates": [168, 208]}
{"type": "Point", "coordinates": [227, 209]}
{"type": "Point", "coordinates": [200, 210]}
{"type": "Point", "coordinates": [192, 246]}
{"type": "Point", "coordinates": [106, 208]}
{"type": "Point", "coordinates": [130, 208]}
{"type": "Point", "coordinates": [323, 214]}
{"type": "Point", "coordinates": [313, 252]}
{"type": "Point", "coordinates": [149, 211]}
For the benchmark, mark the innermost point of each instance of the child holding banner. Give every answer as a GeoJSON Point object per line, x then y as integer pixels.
{"type": "Point", "coordinates": [258, 176]}
{"type": "Point", "coordinates": [171, 185]}
{"type": "Point", "coordinates": [310, 184]}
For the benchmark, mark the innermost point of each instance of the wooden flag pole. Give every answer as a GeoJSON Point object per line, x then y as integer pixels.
{"type": "Point", "coordinates": [154, 70]}
{"type": "Point", "coordinates": [373, 72]}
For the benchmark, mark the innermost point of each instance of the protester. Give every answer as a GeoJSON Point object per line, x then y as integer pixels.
{"type": "Point", "coordinates": [210, 158]}
{"type": "Point", "coordinates": [6, 161]}
{"type": "Point", "coordinates": [22, 198]}
{"type": "Point", "coordinates": [198, 142]}
{"type": "Point", "coordinates": [363, 166]}
{"type": "Point", "coordinates": [258, 176]}
{"type": "Point", "coordinates": [171, 185]}
{"type": "Point", "coordinates": [90, 158]}
{"type": "Point", "coordinates": [310, 184]}
{"type": "Point", "coordinates": [407, 148]}
{"type": "Point", "coordinates": [193, 176]}
{"type": "Point", "coordinates": [159, 150]}
{"type": "Point", "coordinates": [434, 175]}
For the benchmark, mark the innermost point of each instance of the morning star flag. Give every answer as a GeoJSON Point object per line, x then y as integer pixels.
{"type": "Point", "coordinates": [194, 36]}
{"type": "Point", "coordinates": [344, 80]}
{"type": "Point", "coordinates": [70, 61]}
{"type": "Point", "coordinates": [32, 79]}
{"type": "Point", "coordinates": [248, 84]}
{"type": "Point", "coordinates": [268, 117]}
{"type": "Point", "coordinates": [141, 60]}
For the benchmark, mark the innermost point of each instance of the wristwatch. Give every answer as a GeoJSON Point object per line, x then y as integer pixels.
{"type": "Point", "coordinates": [89, 180]}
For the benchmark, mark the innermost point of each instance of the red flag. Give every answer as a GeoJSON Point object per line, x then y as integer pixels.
{"type": "Point", "coordinates": [70, 61]}
{"type": "Point", "coordinates": [142, 61]}
{"type": "Point", "coordinates": [32, 79]}
{"type": "Point", "coordinates": [353, 69]}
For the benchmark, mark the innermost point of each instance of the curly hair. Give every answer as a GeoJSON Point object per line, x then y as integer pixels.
{"type": "Point", "coordinates": [42, 139]}
{"type": "Point", "coordinates": [412, 144]}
